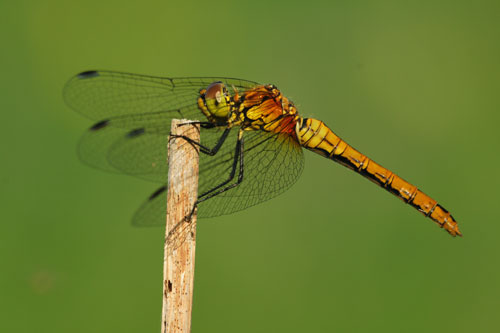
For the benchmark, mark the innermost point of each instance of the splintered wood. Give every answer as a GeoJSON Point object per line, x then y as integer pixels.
{"type": "Point", "coordinates": [180, 239]}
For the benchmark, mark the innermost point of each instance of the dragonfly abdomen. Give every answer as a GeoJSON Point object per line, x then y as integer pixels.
{"type": "Point", "coordinates": [316, 136]}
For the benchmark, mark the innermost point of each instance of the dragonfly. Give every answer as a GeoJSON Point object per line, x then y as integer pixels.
{"type": "Point", "coordinates": [251, 144]}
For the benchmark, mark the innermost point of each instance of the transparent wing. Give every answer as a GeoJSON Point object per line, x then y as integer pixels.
{"type": "Point", "coordinates": [272, 163]}
{"type": "Point", "coordinates": [105, 94]}
{"type": "Point", "coordinates": [131, 144]}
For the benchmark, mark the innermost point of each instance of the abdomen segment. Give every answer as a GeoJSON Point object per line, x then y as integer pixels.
{"type": "Point", "coordinates": [316, 136]}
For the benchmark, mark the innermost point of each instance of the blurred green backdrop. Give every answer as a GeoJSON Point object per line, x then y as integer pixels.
{"type": "Point", "coordinates": [415, 86]}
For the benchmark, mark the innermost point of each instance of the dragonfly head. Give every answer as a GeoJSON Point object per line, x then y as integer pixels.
{"type": "Point", "coordinates": [217, 100]}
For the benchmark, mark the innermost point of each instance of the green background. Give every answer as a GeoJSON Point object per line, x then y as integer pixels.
{"type": "Point", "coordinates": [414, 85]}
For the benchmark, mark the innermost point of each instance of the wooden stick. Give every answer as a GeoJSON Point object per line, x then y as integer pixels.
{"type": "Point", "coordinates": [180, 240]}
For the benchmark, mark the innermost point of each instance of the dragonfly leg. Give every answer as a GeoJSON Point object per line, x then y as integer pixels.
{"type": "Point", "coordinates": [238, 156]}
{"type": "Point", "coordinates": [205, 149]}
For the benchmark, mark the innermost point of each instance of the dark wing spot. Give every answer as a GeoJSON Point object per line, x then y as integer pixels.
{"type": "Point", "coordinates": [88, 74]}
{"type": "Point", "coordinates": [136, 132]}
{"type": "Point", "coordinates": [99, 125]}
{"type": "Point", "coordinates": [157, 192]}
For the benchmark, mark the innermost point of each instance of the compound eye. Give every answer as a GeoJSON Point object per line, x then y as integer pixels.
{"type": "Point", "coordinates": [216, 91]}
{"type": "Point", "coordinates": [217, 100]}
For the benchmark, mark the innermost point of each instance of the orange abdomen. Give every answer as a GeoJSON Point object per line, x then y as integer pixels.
{"type": "Point", "coordinates": [316, 136]}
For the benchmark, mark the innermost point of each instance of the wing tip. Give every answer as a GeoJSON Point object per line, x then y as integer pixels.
{"type": "Point", "coordinates": [157, 192]}
{"type": "Point", "coordinates": [87, 74]}
{"type": "Point", "coordinates": [135, 132]}
{"type": "Point", "coordinates": [99, 125]}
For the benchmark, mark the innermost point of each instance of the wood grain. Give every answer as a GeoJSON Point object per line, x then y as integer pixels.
{"type": "Point", "coordinates": [180, 240]}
